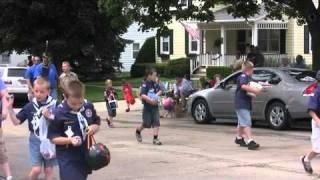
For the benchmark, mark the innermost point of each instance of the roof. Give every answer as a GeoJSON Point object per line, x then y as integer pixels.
{"type": "Point", "coordinates": [222, 15]}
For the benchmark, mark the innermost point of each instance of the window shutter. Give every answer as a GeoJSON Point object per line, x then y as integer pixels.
{"type": "Point", "coordinates": [158, 43]}
{"type": "Point", "coordinates": [282, 41]}
{"type": "Point", "coordinates": [306, 39]}
{"type": "Point", "coordinates": [189, 2]}
{"type": "Point", "coordinates": [186, 44]}
{"type": "Point", "coordinates": [171, 41]}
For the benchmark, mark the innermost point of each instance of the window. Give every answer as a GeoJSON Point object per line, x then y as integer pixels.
{"type": "Point", "coordinates": [135, 50]}
{"type": "Point", "coordinates": [194, 45]}
{"type": "Point", "coordinates": [165, 45]}
{"type": "Point", "coordinates": [269, 40]}
{"type": "Point", "coordinates": [232, 81]}
{"type": "Point", "coordinates": [183, 2]}
{"type": "Point", "coordinates": [16, 72]}
{"type": "Point", "coordinates": [265, 76]}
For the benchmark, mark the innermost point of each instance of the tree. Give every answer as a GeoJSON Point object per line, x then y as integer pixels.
{"type": "Point", "coordinates": [147, 52]}
{"type": "Point", "coordinates": [158, 13]}
{"type": "Point", "coordinates": [87, 31]}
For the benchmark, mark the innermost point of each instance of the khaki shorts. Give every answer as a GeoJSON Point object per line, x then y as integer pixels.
{"type": "Point", "coordinates": [3, 150]}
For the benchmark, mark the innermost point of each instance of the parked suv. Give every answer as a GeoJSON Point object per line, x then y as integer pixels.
{"type": "Point", "coordinates": [14, 78]}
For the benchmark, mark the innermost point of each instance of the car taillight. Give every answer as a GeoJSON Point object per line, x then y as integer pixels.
{"type": "Point", "coordinates": [8, 82]}
{"type": "Point", "coordinates": [309, 91]}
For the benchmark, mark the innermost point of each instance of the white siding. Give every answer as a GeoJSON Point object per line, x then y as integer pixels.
{"type": "Point", "coordinates": [137, 37]}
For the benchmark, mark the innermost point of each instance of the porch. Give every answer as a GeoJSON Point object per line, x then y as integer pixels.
{"type": "Point", "coordinates": [222, 39]}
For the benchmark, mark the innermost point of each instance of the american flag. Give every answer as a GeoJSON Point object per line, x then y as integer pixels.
{"type": "Point", "coordinates": [194, 32]}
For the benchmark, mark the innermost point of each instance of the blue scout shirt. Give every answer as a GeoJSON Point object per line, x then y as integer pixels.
{"type": "Point", "coordinates": [314, 102]}
{"type": "Point", "coordinates": [27, 113]}
{"type": "Point", "coordinates": [30, 73]}
{"type": "Point", "coordinates": [66, 123]}
{"type": "Point", "coordinates": [242, 99]}
{"type": "Point", "coordinates": [50, 73]}
{"type": "Point", "coordinates": [149, 87]}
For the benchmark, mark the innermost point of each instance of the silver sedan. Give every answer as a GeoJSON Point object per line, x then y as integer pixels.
{"type": "Point", "coordinates": [283, 100]}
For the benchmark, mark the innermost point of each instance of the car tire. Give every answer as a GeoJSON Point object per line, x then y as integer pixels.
{"type": "Point", "coordinates": [200, 112]}
{"type": "Point", "coordinates": [278, 116]}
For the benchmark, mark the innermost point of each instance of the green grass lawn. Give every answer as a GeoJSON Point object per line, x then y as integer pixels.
{"type": "Point", "coordinates": [94, 89]}
{"type": "Point", "coordinates": [135, 82]}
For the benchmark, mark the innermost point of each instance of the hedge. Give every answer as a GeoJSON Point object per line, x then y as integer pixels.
{"type": "Point", "coordinates": [147, 52]}
{"type": "Point", "coordinates": [174, 68]}
{"type": "Point", "coordinates": [222, 71]}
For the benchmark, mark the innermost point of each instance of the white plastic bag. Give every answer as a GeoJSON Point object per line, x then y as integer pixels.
{"type": "Point", "coordinates": [47, 149]}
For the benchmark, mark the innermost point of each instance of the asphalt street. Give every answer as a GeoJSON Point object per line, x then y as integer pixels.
{"type": "Point", "coordinates": [189, 151]}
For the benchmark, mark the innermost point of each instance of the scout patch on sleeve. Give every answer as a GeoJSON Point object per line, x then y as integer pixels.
{"type": "Point", "coordinates": [88, 113]}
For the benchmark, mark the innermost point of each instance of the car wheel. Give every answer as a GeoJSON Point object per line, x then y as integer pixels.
{"type": "Point", "coordinates": [200, 112]}
{"type": "Point", "coordinates": [278, 116]}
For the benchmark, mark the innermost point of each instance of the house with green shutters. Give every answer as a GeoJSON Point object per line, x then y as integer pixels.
{"type": "Point", "coordinates": [221, 39]}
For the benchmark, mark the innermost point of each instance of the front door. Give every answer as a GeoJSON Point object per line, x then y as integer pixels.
{"type": "Point", "coordinates": [241, 41]}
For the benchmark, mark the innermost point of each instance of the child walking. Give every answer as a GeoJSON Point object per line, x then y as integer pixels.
{"type": "Point", "coordinates": [128, 95]}
{"type": "Point", "coordinates": [243, 106]}
{"type": "Point", "coordinates": [74, 119]}
{"type": "Point", "coordinates": [150, 98]}
{"type": "Point", "coordinates": [35, 113]}
{"type": "Point", "coordinates": [110, 95]}
{"type": "Point", "coordinates": [314, 112]}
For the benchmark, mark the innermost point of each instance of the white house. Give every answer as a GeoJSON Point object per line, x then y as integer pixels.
{"type": "Point", "coordinates": [13, 59]}
{"type": "Point", "coordinates": [131, 50]}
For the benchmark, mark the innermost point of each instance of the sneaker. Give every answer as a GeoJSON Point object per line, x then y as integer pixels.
{"type": "Point", "coordinates": [111, 125]}
{"type": "Point", "coordinates": [241, 142]}
{"type": "Point", "coordinates": [128, 110]}
{"type": "Point", "coordinates": [306, 165]}
{"type": "Point", "coordinates": [253, 145]}
{"type": "Point", "coordinates": [157, 142]}
{"type": "Point", "coordinates": [139, 137]}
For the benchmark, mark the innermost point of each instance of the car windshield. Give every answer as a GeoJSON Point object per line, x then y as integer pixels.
{"type": "Point", "coordinates": [16, 72]}
{"type": "Point", "coordinates": [302, 75]}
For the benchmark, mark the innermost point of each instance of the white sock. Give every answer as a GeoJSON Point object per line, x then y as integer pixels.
{"type": "Point", "coordinates": [306, 159]}
{"type": "Point", "coordinates": [249, 140]}
{"type": "Point", "coordinates": [238, 137]}
{"type": "Point", "coordinates": [9, 178]}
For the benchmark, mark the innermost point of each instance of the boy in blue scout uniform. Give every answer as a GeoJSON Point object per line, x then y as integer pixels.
{"type": "Point", "coordinates": [150, 92]}
{"type": "Point", "coordinates": [243, 106]}
{"type": "Point", "coordinates": [74, 120]}
{"type": "Point", "coordinates": [314, 112]}
{"type": "Point", "coordinates": [41, 105]}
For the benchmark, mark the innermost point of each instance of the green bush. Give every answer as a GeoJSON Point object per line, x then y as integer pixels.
{"type": "Point", "coordinates": [147, 52]}
{"type": "Point", "coordinates": [222, 70]}
{"type": "Point", "coordinates": [138, 70]}
{"type": "Point", "coordinates": [177, 67]}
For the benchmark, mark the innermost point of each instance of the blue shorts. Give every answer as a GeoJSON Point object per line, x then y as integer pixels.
{"type": "Point", "coordinates": [244, 117]}
{"type": "Point", "coordinates": [70, 170]}
{"type": "Point", "coordinates": [35, 155]}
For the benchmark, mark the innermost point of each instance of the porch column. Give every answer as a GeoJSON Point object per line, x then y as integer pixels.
{"type": "Point", "coordinates": [204, 41]}
{"type": "Point", "coordinates": [254, 30]}
{"type": "Point", "coordinates": [223, 36]}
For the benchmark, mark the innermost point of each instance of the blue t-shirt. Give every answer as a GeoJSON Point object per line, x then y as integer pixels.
{"type": "Point", "coordinates": [242, 99]}
{"type": "Point", "coordinates": [67, 122]}
{"type": "Point", "coordinates": [30, 73]}
{"type": "Point", "coordinates": [314, 102]}
{"type": "Point", "coordinates": [28, 112]}
{"type": "Point", "coordinates": [149, 88]}
{"type": "Point", "coordinates": [49, 73]}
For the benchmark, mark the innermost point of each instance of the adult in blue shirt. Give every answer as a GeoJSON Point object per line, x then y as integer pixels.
{"type": "Point", "coordinates": [49, 71]}
{"type": "Point", "coordinates": [29, 75]}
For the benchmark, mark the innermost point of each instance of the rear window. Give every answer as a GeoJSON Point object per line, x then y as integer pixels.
{"type": "Point", "coordinates": [12, 72]}
{"type": "Point", "coordinates": [303, 76]}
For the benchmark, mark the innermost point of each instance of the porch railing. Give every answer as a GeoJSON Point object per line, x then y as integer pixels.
{"type": "Point", "coordinates": [207, 60]}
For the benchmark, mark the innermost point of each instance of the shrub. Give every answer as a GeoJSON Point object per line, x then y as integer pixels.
{"type": "Point", "coordinates": [147, 52]}
{"type": "Point", "coordinates": [222, 70]}
{"type": "Point", "coordinates": [177, 67]}
{"type": "Point", "coordinates": [138, 70]}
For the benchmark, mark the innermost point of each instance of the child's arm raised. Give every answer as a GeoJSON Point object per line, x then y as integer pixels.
{"type": "Point", "coordinates": [12, 115]}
